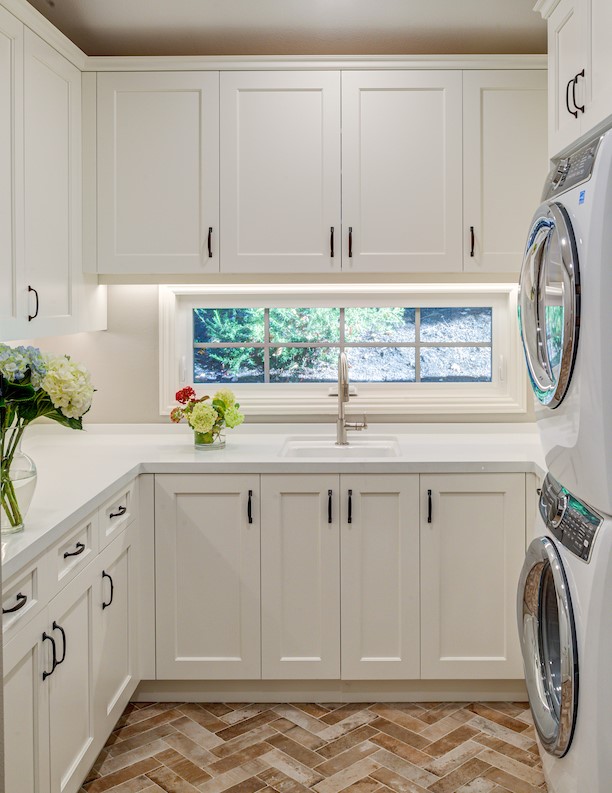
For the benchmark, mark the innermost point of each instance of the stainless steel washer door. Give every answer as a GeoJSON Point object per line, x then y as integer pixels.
{"type": "Point", "coordinates": [549, 303]}
{"type": "Point", "coordinates": [548, 642]}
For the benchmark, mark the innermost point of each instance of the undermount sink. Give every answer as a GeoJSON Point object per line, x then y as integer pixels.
{"type": "Point", "coordinates": [325, 446]}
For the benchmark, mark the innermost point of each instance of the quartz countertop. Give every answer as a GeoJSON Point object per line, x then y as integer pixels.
{"type": "Point", "coordinates": [79, 471]}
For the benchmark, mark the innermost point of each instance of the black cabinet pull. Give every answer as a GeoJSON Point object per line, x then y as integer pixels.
{"type": "Point", "coordinates": [574, 84]}
{"type": "Point", "coordinates": [350, 242]}
{"type": "Point", "coordinates": [329, 506]}
{"type": "Point", "coordinates": [112, 589]}
{"type": "Point", "coordinates": [429, 506]}
{"type": "Point", "coordinates": [350, 507]}
{"type": "Point", "coordinates": [210, 242]}
{"type": "Point", "coordinates": [331, 242]}
{"type": "Point", "coordinates": [121, 511]}
{"type": "Point", "coordinates": [35, 314]}
{"type": "Point", "coordinates": [567, 90]}
{"type": "Point", "coordinates": [472, 241]}
{"type": "Point", "coordinates": [79, 550]}
{"type": "Point", "coordinates": [250, 507]}
{"type": "Point", "coordinates": [46, 637]}
{"type": "Point", "coordinates": [59, 628]}
{"type": "Point", "coordinates": [21, 601]}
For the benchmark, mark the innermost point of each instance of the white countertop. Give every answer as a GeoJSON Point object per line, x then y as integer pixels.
{"type": "Point", "coordinates": [78, 471]}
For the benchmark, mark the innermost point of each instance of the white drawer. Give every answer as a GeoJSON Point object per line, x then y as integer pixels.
{"type": "Point", "coordinates": [75, 551]}
{"type": "Point", "coordinates": [117, 513]}
{"type": "Point", "coordinates": [25, 595]}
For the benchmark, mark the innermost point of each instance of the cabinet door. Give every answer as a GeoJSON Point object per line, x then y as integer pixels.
{"type": "Point", "coordinates": [26, 709]}
{"type": "Point", "coordinates": [471, 557]}
{"type": "Point", "coordinates": [380, 577]}
{"type": "Point", "coordinates": [504, 164]}
{"type": "Point", "coordinates": [300, 577]}
{"type": "Point", "coordinates": [280, 166]}
{"type": "Point", "coordinates": [598, 63]}
{"type": "Point", "coordinates": [11, 175]}
{"type": "Point", "coordinates": [401, 171]}
{"type": "Point", "coordinates": [566, 43]}
{"type": "Point", "coordinates": [158, 172]}
{"type": "Point", "coordinates": [52, 216]}
{"type": "Point", "coordinates": [115, 615]}
{"type": "Point", "coordinates": [71, 686]}
{"type": "Point", "coordinates": [207, 577]}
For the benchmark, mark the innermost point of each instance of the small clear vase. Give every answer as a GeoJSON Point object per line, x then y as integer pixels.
{"type": "Point", "coordinates": [17, 484]}
{"type": "Point", "coordinates": [209, 441]}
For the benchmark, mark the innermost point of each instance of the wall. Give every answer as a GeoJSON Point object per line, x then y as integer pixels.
{"type": "Point", "coordinates": [123, 361]}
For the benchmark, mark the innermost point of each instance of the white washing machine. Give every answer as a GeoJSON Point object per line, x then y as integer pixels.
{"type": "Point", "coordinates": [565, 317]}
{"type": "Point", "coordinates": [564, 598]}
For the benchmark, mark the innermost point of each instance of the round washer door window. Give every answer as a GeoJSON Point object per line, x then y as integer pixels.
{"type": "Point", "coordinates": [549, 303]}
{"type": "Point", "coordinates": [548, 644]}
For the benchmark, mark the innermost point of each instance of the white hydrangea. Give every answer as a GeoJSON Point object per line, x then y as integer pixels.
{"type": "Point", "coordinates": [69, 386]}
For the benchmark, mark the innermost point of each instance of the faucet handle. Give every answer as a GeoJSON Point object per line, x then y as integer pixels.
{"type": "Point", "coordinates": [357, 425]}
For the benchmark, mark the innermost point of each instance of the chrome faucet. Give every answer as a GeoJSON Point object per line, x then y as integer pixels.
{"type": "Point", "coordinates": [342, 425]}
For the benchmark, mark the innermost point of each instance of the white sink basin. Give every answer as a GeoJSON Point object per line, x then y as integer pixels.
{"type": "Point", "coordinates": [324, 446]}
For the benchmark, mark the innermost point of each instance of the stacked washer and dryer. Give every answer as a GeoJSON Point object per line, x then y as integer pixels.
{"type": "Point", "coordinates": [565, 589]}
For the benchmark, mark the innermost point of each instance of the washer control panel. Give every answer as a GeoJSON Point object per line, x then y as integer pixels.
{"type": "Point", "coordinates": [571, 170]}
{"type": "Point", "coordinates": [570, 520]}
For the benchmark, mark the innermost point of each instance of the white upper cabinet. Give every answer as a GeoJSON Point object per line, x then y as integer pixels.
{"type": "Point", "coordinates": [579, 68]}
{"type": "Point", "coordinates": [401, 171]}
{"type": "Point", "coordinates": [52, 198]}
{"type": "Point", "coordinates": [11, 170]}
{"type": "Point", "coordinates": [504, 164]}
{"type": "Point", "coordinates": [280, 172]}
{"type": "Point", "coordinates": [158, 172]}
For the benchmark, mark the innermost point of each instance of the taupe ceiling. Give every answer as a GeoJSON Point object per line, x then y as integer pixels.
{"type": "Point", "coordinates": [300, 27]}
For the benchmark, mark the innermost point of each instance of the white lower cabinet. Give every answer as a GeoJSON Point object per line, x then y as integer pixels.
{"type": "Point", "coordinates": [207, 566]}
{"type": "Point", "coordinates": [116, 673]}
{"type": "Point", "coordinates": [300, 576]}
{"type": "Point", "coordinates": [380, 576]}
{"type": "Point", "coordinates": [472, 549]}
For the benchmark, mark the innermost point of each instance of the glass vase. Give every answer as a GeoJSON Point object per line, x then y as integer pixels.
{"type": "Point", "coordinates": [209, 441]}
{"type": "Point", "coordinates": [17, 483]}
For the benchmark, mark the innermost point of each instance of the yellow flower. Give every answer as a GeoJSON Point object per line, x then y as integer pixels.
{"type": "Point", "coordinates": [202, 417]}
{"type": "Point", "coordinates": [226, 395]}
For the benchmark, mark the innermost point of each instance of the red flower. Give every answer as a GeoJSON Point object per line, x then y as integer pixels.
{"type": "Point", "coordinates": [185, 394]}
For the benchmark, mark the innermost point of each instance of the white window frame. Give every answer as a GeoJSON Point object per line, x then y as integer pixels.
{"type": "Point", "coordinates": [506, 393]}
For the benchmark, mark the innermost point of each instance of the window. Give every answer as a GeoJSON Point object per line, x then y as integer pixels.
{"type": "Point", "coordinates": [301, 345]}
{"type": "Point", "coordinates": [411, 348]}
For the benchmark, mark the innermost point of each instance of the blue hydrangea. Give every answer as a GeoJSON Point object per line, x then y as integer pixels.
{"type": "Point", "coordinates": [15, 362]}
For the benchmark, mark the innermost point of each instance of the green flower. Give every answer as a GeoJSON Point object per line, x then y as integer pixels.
{"type": "Point", "coordinates": [233, 417]}
{"type": "Point", "coordinates": [226, 395]}
{"type": "Point", "coordinates": [202, 417]}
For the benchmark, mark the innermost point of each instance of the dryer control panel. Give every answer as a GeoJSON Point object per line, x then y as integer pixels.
{"type": "Point", "coordinates": [570, 520]}
{"type": "Point", "coordinates": [571, 170]}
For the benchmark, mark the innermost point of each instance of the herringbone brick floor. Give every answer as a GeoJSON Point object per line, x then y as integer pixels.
{"type": "Point", "coordinates": [307, 748]}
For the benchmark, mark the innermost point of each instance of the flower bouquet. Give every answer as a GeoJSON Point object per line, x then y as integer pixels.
{"type": "Point", "coordinates": [207, 419]}
{"type": "Point", "coordinates": [33, 385]}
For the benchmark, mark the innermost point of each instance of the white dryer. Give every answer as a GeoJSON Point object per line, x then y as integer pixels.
{"type": "Point", "coordinates": [564, 597]}
{"type": "Point", "coordinates": [565, 318]}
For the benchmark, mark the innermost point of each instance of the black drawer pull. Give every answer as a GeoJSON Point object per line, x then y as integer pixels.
{"type": "Point", "coordinates": [79, 550]}
{"type": "Point", "coordinates": [21, 601]}
{"type": "Point", "coordinates": [112, 589]}
{"type": "Point", "coordinates": [429, 506]}
{"type": "Point", "coordinates": [472, 241]}
{"type": "Point", "coordinates": [574, 84]}
{"type": "Point", "coordinates": [331, 242]}
{"type": "Point", "coordinates": [329, 506]}
{"type": "Point", "coordinates": [350, 242]}
{"type": "Point", "coordinates": [35, 314]}
{"type": "Point", "coordinates": [210, 254]}
{"type": "Point", "coordinates": [567, 90]}
{"type": "Point", "coordinates": [350, 507]}
{"type": "Point", "coordinates": [121, 511]}
{"type": "Point", "coordinates": [46, 637]}
{"type": "Point", "coordinates": [250, 507]}
{"type": "Point", "coordinates": [59, 628]}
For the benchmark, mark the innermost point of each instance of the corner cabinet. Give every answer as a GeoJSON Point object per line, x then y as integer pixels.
{"type": "Point", "coordinates": [280, 172]}
{"type": "Point", "coordinates": [207, 565]}
{"type": "Point", "coordinates": [579, 68]}
{"type": "Point", "coordinates": [401, 171]}
{"type": "Point", "coordinates": [472, 550]}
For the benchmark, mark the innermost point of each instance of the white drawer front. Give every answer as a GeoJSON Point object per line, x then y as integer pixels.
{"type": "Point", "coordinates": [25, 595]}
{"type": "Point", "coordinates": [76, 550]}
{"type": "Point", "coordinates": [117, 513]}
